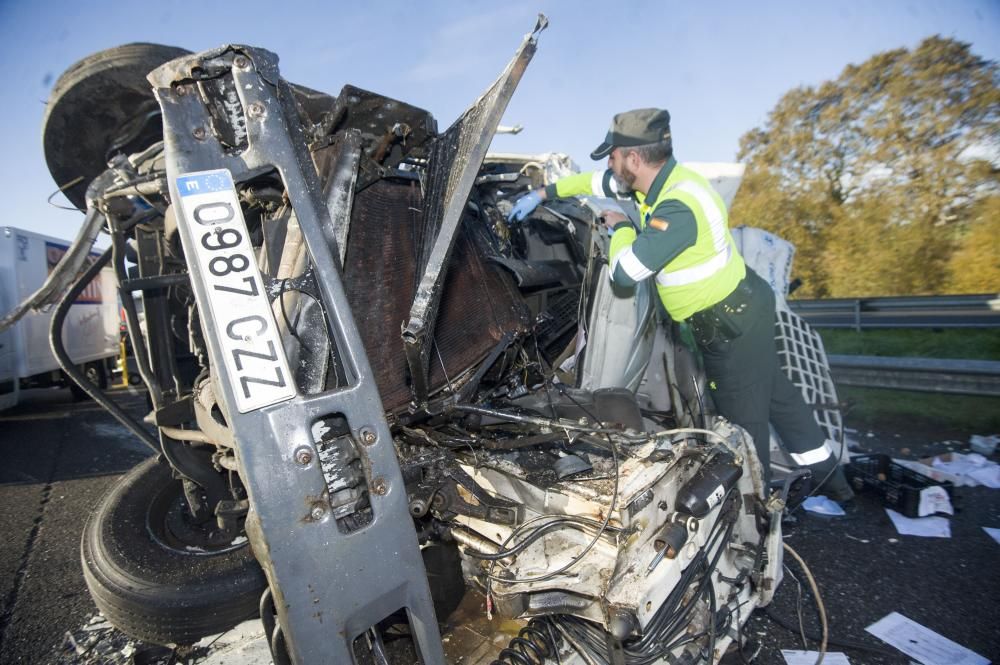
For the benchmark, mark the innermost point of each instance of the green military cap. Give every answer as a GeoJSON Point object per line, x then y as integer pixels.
{"type": "Point", "coordinates": [632, 128]}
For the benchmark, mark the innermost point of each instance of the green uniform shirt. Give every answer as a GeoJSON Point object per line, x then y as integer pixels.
{"type": "Point", "coordinates": [669, 228]}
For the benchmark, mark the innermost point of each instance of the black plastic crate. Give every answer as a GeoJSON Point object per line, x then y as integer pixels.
{"type": "Point", "coordinates": [898, 486]}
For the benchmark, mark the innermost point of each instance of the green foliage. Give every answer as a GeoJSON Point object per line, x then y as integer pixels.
{"type": "Point", "coordinates": [974, 266]}
{"type": "Point", "coordinates": [882, 177]}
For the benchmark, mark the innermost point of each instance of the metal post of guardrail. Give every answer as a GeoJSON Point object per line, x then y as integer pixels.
{"type": "Point", "coordinates": [857, 315]}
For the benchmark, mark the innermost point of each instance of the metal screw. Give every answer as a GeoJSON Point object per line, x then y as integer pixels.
{"type": "Point", "coordinates": [317, 512]}
{"type": "Point", "coordinates": [255, 110]}
{"type": "Point", "coordinates": [303, 456]}
{"type": "Point", "coordinates": [198, 133]}
{"type": "Point", "coordinates": [368, 437]}
{"type": "Point", "coordinates": [181, 90]}
{"type": "Point", "coordinates": [241, 61]}
{"type": "Point", "coordinates": [379, 486]}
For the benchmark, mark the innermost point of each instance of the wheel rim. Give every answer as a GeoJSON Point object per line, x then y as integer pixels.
{"type": "Point", "coordinates": [170, 524]}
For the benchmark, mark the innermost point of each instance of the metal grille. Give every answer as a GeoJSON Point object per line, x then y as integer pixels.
{"type": "Point", "coordinates": [803, 359]}
{"type": "Point", "coordinates": [479, 302]}
{"type": "Point", "coordinates": [561, 310]}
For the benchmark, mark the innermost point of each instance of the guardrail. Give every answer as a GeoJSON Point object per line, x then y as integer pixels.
{"type": "Point", "coordinates": [961, 377]}
{"type": "Point", "coordinates": [962, 311]}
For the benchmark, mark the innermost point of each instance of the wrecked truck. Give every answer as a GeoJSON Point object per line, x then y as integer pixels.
{"type": "Point", "coordinates": [370, 393]}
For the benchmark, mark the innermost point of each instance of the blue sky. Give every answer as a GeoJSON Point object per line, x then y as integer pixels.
{"type": "Point", "coordinates": [719, 67]}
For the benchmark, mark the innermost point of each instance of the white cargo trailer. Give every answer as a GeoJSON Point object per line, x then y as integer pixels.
{"type": "Point", "coordinates": [91, 331]}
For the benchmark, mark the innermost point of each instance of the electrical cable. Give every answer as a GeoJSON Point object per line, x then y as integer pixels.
{"type": "Point", "coordinates": [819, 601]}
{"type": "Point", "coordinates": [284, 315]}
{"type": "Point", "coordinates": [841, 642]}
{"type": "Point", "coordinates": [556, 523]}
{"type": "Point", "coordinates": [798, 607]}
{"type": "Point", "coordinates": [697, 430]}
{"type": "Point", "coordinates": [577, 558]}
{"type": "Point", "coordinates": [670, 621]}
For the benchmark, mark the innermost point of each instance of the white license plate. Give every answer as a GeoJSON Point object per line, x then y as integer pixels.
{"type": "Point", "coordinates": [237, 304]}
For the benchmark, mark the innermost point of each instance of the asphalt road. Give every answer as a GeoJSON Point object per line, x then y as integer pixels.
{"type": "Point", "coordinates": [59, 457]}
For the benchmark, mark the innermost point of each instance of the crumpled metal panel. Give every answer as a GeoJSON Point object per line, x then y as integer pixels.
{"type": "Point", "coordinates": [454, 162]}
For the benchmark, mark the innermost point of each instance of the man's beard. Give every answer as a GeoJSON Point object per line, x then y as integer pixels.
{"type": "Point", "coordinates": [626, 180]}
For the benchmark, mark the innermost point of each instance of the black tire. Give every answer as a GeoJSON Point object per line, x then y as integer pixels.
{"type": "Point", "coordinates": [145, 581]}
{"type": "Point", "coordinates": [89, 106]}
{"type": "Point", "coordinates": [95, 373]}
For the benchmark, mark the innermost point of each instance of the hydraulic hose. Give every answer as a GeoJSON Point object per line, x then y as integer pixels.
{"type": "Point", "coordinates": [75, 375]}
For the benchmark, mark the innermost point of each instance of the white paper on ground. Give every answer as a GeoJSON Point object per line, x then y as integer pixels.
{"type": "Point", "coordinates": [934, 499]}
{"type": "Point", "coordinates": [984, 445]}
{"type": "Point", "coordinates": [994, 533]}
{"type": "Point", "coordinates": [922, 643]}
{"type": "Point", "coordinates": [973, 468]}
{"type": "Point", "coordinates": [987, 475]}
{"type": "Point", "coordinates": [928, 527]}
{"type": "Point", "coordinates": [809, 658]}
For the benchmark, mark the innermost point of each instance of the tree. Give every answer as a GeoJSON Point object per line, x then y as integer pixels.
{"type": "Point", "coordinates": [886, 163]}
{"type": "Point", "coordinates": [974, 267]}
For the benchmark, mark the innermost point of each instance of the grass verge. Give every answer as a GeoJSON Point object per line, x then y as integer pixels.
{"type": "Point", "coordinates": [970, 414]}
{"type": "Point", "coordinates": [968, 343]}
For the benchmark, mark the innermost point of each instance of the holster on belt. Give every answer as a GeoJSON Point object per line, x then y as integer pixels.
{"type": "Point", "coordinates": [721, 321]}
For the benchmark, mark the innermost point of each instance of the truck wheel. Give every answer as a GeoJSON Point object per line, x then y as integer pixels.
{"type": "Point", "coordinates": [155, 574]}
{"type": "Point", "coordinates": [95, 373]}
{"type": "Point", "coordinates": [90, 109]}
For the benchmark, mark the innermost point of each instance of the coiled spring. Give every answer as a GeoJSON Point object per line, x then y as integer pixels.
{"type": "Point", "coordinates": [534, 643]}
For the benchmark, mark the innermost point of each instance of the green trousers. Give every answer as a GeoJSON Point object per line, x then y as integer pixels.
{"type": "Point", "coordinates": [736, 339]}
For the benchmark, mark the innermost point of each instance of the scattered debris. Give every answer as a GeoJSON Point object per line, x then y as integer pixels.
{"type": "Point", "coordinates": [822, 505]}
{"type": "Point", "coordinates": [99, 643]}
{"type": "Point", "coordinates": [934, 499]}
{"type": "Point", "coordinates": [928, 527]}
{"type": "Point", "coordinates": [906, 490]}
{"type": "Point", "coordinates": [984, 445]}
{"type": "Point", "coordinates": [971, 469]}
{"type": "Point", "coordinates": [921, 643]}
{"type": "Point", "coordinates": [811, 658]}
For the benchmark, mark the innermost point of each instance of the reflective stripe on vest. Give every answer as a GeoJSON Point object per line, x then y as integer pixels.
{"type": "Point", "coordinates": [716, 219]}
{"type": "Point", "coordinates": [631, 264]}
{"type": "Point", "coordinates": [695, 273]}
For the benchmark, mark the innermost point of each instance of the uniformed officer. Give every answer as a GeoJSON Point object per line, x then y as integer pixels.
{"type": "Point", "coordinates": [684, 244]}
